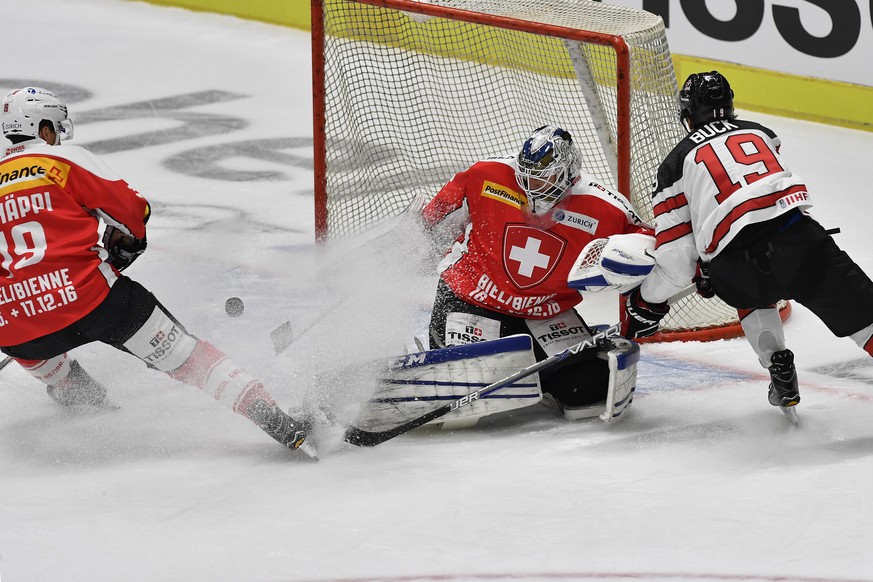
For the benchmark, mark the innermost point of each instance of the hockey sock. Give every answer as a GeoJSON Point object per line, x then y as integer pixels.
{"type": "Point", "coordinates": [165, 345]}
{"type": "Point", "coordinates": [864, 338]}
{"type": "Point", "coordinates": [211, 370]}
{"type": "Point", "coordinates": [763, 329]}
{"type": "Point", "coordinates": [50, 371]}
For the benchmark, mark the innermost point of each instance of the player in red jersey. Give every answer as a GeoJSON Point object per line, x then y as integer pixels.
{"type": "Point", "coordinates": [60, 288]}
{"type": "Point", "coordinates": [728, 209]}
{"type": "Point", "coordinates": [523, 220]}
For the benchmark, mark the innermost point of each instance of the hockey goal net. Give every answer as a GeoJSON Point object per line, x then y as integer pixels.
{"type": "Point", "coordinates": [409, 92]}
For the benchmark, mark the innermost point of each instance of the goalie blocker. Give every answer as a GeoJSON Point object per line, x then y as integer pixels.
{"type": "Point", "coordinates": [417, 383]}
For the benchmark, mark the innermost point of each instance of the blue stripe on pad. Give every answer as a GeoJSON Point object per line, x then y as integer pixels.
{"type": "Point", "coordinates": [596, 281]}
{"type": "Point", "coordinates": [513, 343]}
{"type": "Point", "coordinates": [630, 358]}
{"type": "Point", "coordinates": [448, 383]}
{"type": "Point", "coordinates": [619, 267]}
{"type": "Point", "coordinates": [493, 395]}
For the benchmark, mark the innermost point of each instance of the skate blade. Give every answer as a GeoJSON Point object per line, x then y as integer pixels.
{"type": "Point", "coordinates": [790, 413]}
{"type": "Point", "coordinates": [308, 450]}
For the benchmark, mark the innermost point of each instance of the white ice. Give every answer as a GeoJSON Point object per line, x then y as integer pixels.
{"type": "Point", "coordinates": [703, 481]}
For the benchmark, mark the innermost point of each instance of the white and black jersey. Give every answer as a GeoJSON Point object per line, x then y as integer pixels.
{"type": "Point", "coordinates": [721, 177]}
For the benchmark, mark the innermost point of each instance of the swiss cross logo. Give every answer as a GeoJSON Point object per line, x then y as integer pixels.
{"type": "Point", "coordinates": [473, 330]}
{"type": "Point", "coordinates": [157, 339]}
{"type": "Point", "coordinates": [530, 254]}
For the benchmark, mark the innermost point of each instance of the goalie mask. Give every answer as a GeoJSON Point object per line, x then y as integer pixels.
{"type": "Point", "coordinates": [547, 165]}
{"type": "Point", "coordinates": [24, 109]}
{"type": "Point", "coordinates": [705, 97]}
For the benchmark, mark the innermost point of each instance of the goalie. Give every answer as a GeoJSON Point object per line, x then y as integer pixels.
{"type": "Point", "coordinates": [518, 224]}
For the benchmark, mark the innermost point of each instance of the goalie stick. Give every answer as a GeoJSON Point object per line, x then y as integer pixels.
{"type": "Point", "coordinates": [6, 361]}
{"type": "Point", "coordinates": [364, 438]}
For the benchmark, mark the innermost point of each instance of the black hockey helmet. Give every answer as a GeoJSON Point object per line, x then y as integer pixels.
{"type": "Point", "coordinates": [705, 97]}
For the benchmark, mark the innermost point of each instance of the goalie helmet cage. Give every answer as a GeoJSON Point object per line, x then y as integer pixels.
{"type": "Point", "coordinates": [408, 92]}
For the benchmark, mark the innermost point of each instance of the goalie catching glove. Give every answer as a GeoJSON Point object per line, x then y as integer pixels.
{"type": "Point", "coordinates": [640, 318]}
{"type": "Point", "coordinates": [620, 261]}
{"type": "Point", "coordinates": [123, 249]}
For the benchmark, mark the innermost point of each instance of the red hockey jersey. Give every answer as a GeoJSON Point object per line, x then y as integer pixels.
{"type": "Point", "coordinates": [511, 261]}
{"type": "Point", "coordinates": [52, 270]}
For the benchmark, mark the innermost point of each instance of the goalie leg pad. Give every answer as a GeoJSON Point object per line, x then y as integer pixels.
{"type": "Point", "coordinates": [623, 359]}
{"type": "Point", "coordinates": [417, 383]}
{"type": "Point", "coordinates": [611, 376]}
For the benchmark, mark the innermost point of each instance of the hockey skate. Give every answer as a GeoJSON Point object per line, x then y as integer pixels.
{"type": "Point", "coordinates": [288, 431]}
{"type": "Point", "coordinates": [79, 389]}
{"type": "Point", "coordinates": [783, 391]}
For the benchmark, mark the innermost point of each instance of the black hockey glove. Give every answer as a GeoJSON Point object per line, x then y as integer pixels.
{"type": "Point", "coordinates": [640, 318]}
{"type": "Point", "coordinates": [123, 249]}
{"type": "Point", "coordinates": [702, 281]}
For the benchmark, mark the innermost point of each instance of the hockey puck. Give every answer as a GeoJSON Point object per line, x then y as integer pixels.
{"type": "Point", "coordinates": [234, 306]}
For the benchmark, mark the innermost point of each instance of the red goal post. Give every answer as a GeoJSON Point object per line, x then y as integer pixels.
{"type": "Point", "coordinates": [408, 92]}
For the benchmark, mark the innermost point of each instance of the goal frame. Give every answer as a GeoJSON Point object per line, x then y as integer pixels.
{"type": "Point", "coordinates": [623, 172]}
{"type": "Point", "coordinates": [623, 84]}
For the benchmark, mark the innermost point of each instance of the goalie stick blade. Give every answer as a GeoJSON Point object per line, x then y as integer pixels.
{"type": "Point", "coordinates": [365, 438]}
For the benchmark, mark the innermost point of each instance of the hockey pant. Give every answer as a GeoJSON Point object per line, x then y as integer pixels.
{"type": "Point", "coordinates": [794, 258]}
{"type": "Point", "coordinates": [132, 320]}
{"type": "Point", "coordinates": [572, 383]}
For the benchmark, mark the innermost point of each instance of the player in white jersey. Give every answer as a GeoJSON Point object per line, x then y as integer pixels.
{"type": "Point", "coordinates": [733, 218]}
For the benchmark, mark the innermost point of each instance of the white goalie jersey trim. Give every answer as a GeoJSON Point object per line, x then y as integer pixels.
{"type": "Point", "coordinates": [417, 383]}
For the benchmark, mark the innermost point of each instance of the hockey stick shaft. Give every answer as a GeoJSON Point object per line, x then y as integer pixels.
{"type": "Point", "coordinates": [5, 362]}
{"type": "Point", "coordinates": [682, 294]}
{"type": "Point", "coordinates": [364, 438]}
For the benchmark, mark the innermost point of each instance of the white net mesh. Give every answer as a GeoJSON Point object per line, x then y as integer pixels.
{"type": "Point", "coordinates": [410, 100]}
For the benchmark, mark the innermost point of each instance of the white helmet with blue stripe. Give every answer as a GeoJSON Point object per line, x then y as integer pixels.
{"type": "Point", "coordinates": [547, 165]}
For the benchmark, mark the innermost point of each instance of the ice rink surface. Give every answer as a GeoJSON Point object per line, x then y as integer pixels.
{"type": "Point", "coordinates": [209, 117]}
